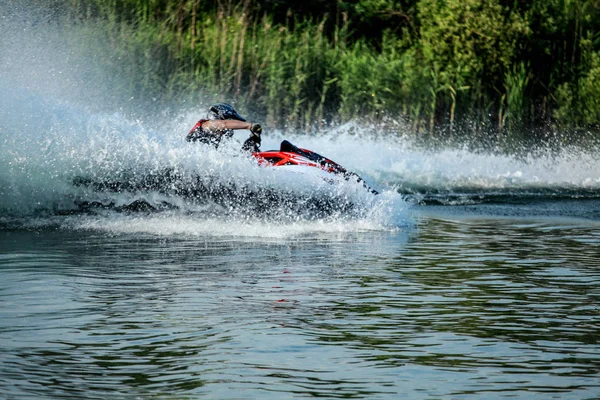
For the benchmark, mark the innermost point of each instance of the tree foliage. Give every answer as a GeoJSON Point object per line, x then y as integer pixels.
{"type": "Point", "coordinates": [495, 65]}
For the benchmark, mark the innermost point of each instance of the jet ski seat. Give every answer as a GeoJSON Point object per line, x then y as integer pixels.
{"type": "Point", "coordinates": [288, 147]}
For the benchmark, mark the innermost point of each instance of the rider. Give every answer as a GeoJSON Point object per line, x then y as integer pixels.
{"type": "Point", "coordinates": [222, 121]}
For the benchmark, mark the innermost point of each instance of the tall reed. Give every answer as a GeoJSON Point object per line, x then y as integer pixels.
{"type": "Point", "coordinates": [458, 67]}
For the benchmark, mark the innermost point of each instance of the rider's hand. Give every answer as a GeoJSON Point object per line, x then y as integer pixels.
{"type": "Point", "coordinates": [256, 130]}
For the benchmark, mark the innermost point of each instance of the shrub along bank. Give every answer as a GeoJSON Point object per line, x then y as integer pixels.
{"type": "Point", "coordinates": [492, 66]}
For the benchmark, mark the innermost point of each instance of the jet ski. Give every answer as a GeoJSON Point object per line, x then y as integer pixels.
{"type": "Point", "coordinates": [230, 193]}
{"type": "Point", "coordinates": [291, 155]}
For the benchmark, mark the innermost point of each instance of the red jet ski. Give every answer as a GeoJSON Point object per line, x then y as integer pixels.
{"type": "Point", "coordinates": [288, 154]}
{"type": "Point", "coordinates": [232, 194]}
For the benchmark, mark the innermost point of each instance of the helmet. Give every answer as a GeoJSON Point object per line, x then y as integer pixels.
{"type": "Point", "coordinates": [223, 111]}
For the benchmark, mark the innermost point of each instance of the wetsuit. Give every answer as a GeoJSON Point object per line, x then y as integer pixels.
{"type": "Point", "coordinates": [252, 144]}
{"type": "Point", "coordinates": [199, 134]}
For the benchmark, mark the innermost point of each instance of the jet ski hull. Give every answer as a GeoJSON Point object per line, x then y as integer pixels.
{"type": "Point", "coordinates": [289, 155]}
{"type": "Point", "coordinates": [301, 182]}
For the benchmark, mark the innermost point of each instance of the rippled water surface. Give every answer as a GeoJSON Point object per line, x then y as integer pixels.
{"type": "Point", "coordinates": [460, 305]}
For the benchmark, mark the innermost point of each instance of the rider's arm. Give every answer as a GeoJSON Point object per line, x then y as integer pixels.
{"type": "Point", "coordinates": [218, 125]}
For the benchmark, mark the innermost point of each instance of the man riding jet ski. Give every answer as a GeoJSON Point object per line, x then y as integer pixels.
{"type": "Point", "coordinates": [222, 120]}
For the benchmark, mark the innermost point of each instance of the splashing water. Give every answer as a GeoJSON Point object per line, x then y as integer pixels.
{"type": "Point", "coordinates": [60, 150]}
{"type": "Point", "coordinates": [43, 167]}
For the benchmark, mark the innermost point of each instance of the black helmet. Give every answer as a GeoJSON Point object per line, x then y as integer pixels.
{"type": "Point", "coordinates": [223, 111]}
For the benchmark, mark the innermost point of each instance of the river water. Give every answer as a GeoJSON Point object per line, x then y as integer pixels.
{"type": "Point", "coordinates": [457, 305]}
{"type": "Point", "coordinates": [470, 276]}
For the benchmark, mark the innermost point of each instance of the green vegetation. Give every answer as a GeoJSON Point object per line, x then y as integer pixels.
{"type": "Point", "coordinates": [443, 66]}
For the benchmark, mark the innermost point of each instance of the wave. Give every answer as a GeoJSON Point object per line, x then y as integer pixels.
{"type": "Point", "coordinates": [98, 169]}
{"type": "Point", "coordinates": [64, 157]}
{"type": "Point", "coordinates": [40, 163]}
{"type": "Point", "coordinates": [447, 175]}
